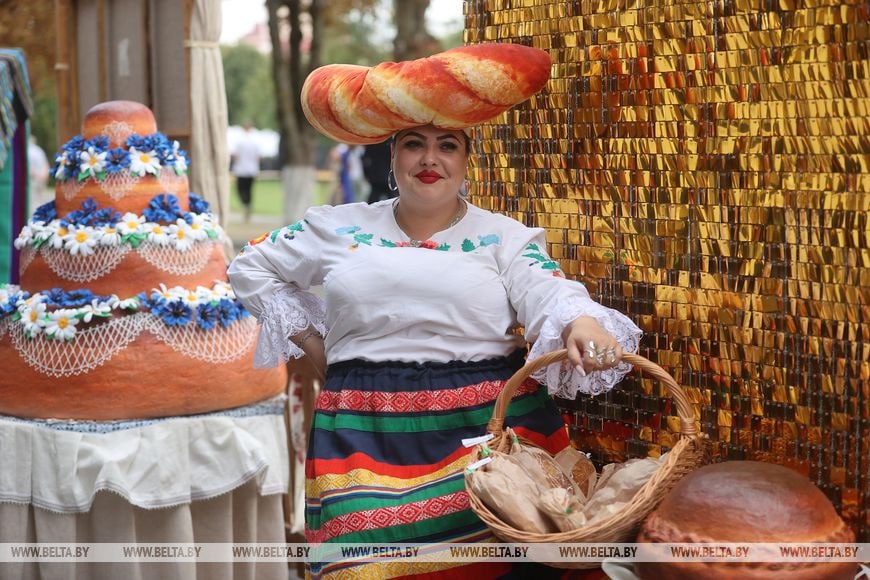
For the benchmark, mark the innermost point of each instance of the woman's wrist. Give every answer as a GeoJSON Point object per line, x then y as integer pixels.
{"type": "Point", "coordinates": [299, 339]}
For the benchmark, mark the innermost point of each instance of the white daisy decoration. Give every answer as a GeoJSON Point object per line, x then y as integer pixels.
{"type": "Point", "coordinates": [223, 290]}
{"type": "Point", "coordinates": [109, 236]}
{"type": "Point", "coordinates": [192, 299]}
{"type": "Point", "coordinates": [40, 232]}
{"type": "Point", "coordinates": [81, 241]}
{"type": "Point", "coordinates": [142, 162]}
{"type": "Point", "coordinates": [60, 234]}
{"type": "Point", "coordinates": [180, 161]}
{"type": "Point", "coordinates": [96, 308]}
{"type": "Point", "coordinates": [157, 234]}
{"type": "Point", "coordinates": [24, 237]}
{"type": "Point", "coordinates": [60, 172]}
{"type": "Point", "coordinates": [126, 304]}
{"type": "Point", "coordinates": [33, 318]}
{"type": "Point", "coordinates": [168, 293]}
{"type": "Point", "coordinates": [92, 162]}
{"type": "Point", "coordinates": [61, 324]}
{"type": "Point", "coordinates": [198, 227]}
{"type": "Point", "coordinates": [130, 224]}
{"type": "Point", "coordinates": [183, 235]}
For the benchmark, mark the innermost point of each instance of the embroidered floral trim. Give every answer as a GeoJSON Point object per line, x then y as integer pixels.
{"type": "Point", "coordinates": [487, 240]}
{"type": "Point", "coordinates": [561, 378]}
{"type": "Point", "coordinates": [56, 314]}
{"type": "Point", "coordinates": [289, 312]}
{"type": "Point", "coordinates": [81, 159]}
{"type": "Point", "coordinates": [80, 232]}
{"type": "Point", "coordinates": [541, 259]}
{"type": "Point", "coordinates": [289, 234]}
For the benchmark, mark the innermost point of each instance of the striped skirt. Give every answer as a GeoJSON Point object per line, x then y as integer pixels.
{"type": "Point", "coordinates": [386, 461]}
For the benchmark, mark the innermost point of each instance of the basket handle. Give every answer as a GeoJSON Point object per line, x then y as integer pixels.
{"type": "Point", "coordinates": [684, 406]}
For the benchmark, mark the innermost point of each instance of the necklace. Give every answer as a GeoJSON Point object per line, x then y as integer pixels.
{"type": "Point", "coordinates": [460, 213]}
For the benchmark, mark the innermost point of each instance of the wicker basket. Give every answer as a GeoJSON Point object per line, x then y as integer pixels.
{"type": "Point", "coordinates": [688, 454]}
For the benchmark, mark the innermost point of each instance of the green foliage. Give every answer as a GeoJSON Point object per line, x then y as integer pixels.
{"type": "Point", "coordinates": [249, 87]}
{"type": "Point", "coordinates": [356, 39]}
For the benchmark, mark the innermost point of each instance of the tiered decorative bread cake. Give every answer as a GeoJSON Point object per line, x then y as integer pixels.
{"type": "Point", "coordinates": [123, 309]}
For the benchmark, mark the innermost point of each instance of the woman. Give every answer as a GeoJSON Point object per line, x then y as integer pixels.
{"type": "Point", "coordinates": [423, 297]}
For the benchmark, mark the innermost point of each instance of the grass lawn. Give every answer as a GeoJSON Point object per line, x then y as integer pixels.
{"type": "Point", "coordinates": [268, 198]}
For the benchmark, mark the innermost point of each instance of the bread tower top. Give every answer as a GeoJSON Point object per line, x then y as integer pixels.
{"type": "Point", "coordinates": [119, 160]}
{"type": "Point", "coordinates": [118, 120]}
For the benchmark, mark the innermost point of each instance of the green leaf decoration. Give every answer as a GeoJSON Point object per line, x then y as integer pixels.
{"type": "Point", "coordinates": [297, 227]}
{"type": "Point", "coordinates": [443, 247]}
{"type": "Point", "coordinates": [363, 239]}
{"type": "Point", "coordinates": [273, 235]}
{"type": "Point", "coordinates": [135, 240]}
{"type": "Point", "coordinates": [533, 247]}
{"type": "Point", "coordinates": [212, 234]}
{"type": "Point", "coordinates": [467, 245]}
{"type": "Point", "coordinates": [82, 176]}
{"type": "Point", "coordinates": [551, 265]}
{"type": "Point", "coordinates": [387, 243]}
{"type": "Point", "coordinates": [536, 257]}
{"type": "Point", "coordinates": [16, 317]}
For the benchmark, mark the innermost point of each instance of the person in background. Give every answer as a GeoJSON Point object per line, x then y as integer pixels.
{"type": "Point", "coordinates": [38, 169]}
{"type": "Point", "coordinates": [246, 167]}
{"type": "Point", "coordinates": [376, 168]}
{"type": "Point", "coordinates": [419, 331]}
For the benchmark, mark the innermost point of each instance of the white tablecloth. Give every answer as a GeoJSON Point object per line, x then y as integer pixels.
{"type": "Point", "coordinates": [208, 478]}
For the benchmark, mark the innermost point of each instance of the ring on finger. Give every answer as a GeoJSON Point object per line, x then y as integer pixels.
{"type": "Point", "coordinates": [591, 352]}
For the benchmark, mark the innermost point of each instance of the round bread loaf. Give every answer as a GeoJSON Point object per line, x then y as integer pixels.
{"type": "Point", "coordinates": [745, 502]}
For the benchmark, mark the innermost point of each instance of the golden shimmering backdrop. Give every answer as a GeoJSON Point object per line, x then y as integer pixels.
{"type": "Point", "coordinates": [704, 166]}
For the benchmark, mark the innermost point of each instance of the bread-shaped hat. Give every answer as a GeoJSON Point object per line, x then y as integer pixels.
{"type": "Point", "coordinates": [454, 89]}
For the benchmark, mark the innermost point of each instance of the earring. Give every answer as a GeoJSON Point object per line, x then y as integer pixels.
{"type": "Point", "coordinates": [391, 181]}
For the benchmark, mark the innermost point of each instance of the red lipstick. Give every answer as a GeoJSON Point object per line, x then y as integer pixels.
{"type": "Point", "coordinates": [428, 176]}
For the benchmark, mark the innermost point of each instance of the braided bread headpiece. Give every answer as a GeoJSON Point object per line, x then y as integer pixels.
{"type": "Point", "coordinates": [454, 89]}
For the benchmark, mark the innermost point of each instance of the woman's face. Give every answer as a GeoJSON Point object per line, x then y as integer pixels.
{"type": "Point", "coordinates": [429, 163]}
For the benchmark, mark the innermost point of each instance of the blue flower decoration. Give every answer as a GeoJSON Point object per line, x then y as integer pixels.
{"type": "Point", "coordinates": [176, 313]}
{"type": "Point", "coordinates": [99, 144]}
{"type": "Point", "coordinates": [71, 299]}
{"type": "Point", "coordinates": [45, 213]}
{"type": "Point", "coordinates": [206, 316]}
{"type": "Point", "coordinates": [198, 204]}
{"type": "Point", "coordinates": [163, 208]}
{"type": "Point", "coordinates": [73, 146]}
{"type": "Point", "coordinates": [84, 216]}
{"type": "Point", "coordinates": [343, 231]}
{"type": "Point", "coordinates": [226, 312]}
{"type": "Point", "coordinates": [117, 160]}
{"type": "Point", "coordinates": [106, 217]}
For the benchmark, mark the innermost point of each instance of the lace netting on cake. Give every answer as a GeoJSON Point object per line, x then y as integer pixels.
{"type": "Point", "coordinates": [95, 346]}
{"type": "Point", "coordinates": [118, 185]}
{"type": "Point", "coordinates": [171, 260]}
{"type": "Point", "coordinates": [117, 131]}
{"type": "Point", "coordinates": [79, 268]}
{"type": "Point", "coordinates": [172, 182]}
{"type": "Point", "coordinates": [26, 258]}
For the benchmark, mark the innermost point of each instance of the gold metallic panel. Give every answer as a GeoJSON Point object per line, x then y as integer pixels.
{"type": "Point", "coordinates": [704, 167]}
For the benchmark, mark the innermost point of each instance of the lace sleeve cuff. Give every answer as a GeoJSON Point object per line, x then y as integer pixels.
{"type": "Point", "coordinates": [561, 378]}
{"type": "Point", "coordinates": [289, 312]}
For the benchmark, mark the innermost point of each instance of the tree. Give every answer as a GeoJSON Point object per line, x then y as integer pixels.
{"type": "Point", "coordinates": [412, 38]}
{"type": "Point", "coordinates": [248, 80]}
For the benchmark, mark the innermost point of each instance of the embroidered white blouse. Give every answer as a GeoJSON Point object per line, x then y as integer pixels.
{"type": "Point", "coordinates": [459, 296]}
